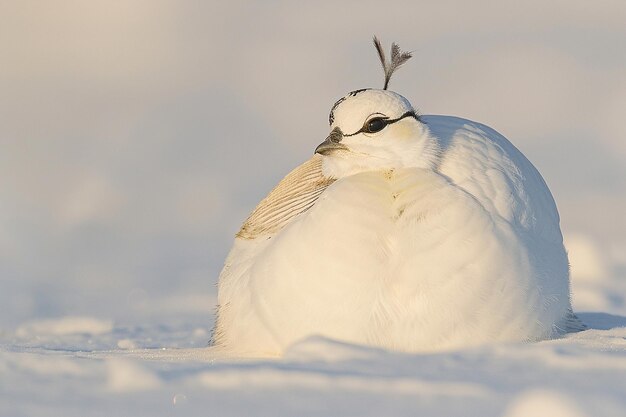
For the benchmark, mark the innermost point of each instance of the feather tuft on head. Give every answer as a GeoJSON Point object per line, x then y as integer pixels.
{"type": "Point", "coordinates": [397, 59]}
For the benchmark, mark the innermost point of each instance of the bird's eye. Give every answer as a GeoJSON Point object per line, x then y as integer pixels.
{"type": "Point", "coordinates": [375, 125]}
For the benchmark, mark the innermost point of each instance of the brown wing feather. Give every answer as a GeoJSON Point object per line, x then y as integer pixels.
{"type": "Point", "coordinates": [295, 194]}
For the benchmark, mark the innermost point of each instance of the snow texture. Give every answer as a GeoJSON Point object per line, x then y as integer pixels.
{"type": "Point", "coordinates": [168, 370]}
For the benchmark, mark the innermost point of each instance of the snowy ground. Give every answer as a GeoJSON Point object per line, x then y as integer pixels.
{"type": "Point", "coordinates": [153, 371]}
{"type": "Point", "coordinates": [79, 366]}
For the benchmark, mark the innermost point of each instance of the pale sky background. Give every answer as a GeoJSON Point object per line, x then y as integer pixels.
{"type": "Point", "coordinates": [135, 136]}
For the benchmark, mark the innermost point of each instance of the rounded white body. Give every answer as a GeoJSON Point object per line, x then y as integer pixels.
{"type": "Point", "coordinates": [462, 251]}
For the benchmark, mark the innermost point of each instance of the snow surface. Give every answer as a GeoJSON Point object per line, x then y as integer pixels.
{"type": "Point", "coordinates": [81, 366]}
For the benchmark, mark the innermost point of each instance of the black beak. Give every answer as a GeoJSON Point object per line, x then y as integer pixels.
{"type": "Point", "coordinates": [332, 143]}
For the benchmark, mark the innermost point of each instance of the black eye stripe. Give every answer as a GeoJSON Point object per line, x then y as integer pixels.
{"type": "Point", "coordinates": [386, 120]}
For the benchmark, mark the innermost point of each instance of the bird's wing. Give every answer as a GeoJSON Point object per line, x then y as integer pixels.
{"type": "Point", "coordinates": [295, 194]}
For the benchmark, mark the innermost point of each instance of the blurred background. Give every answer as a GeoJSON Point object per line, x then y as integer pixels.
{"type": "Point", "coordinates": [135, 136]}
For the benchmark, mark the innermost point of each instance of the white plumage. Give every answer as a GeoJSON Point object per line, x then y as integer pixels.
{"type": "Point", "coordinates": [431, 233]}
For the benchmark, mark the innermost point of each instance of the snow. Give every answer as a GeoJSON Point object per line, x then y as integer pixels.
{"type": "Point", "coordinates": [165, 369]}
{"type": "Point", "coordinates": [64, 326]}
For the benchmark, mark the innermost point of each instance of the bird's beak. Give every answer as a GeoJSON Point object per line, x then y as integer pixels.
{"type": "Point", "coordinates": [332, 143]}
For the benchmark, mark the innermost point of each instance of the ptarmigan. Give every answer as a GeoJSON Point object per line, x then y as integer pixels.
{"type": "Point", "coordinates": [408, 232]}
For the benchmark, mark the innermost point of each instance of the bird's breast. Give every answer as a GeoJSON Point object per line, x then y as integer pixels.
{"type": "Point", "coordinates": [372, 246]}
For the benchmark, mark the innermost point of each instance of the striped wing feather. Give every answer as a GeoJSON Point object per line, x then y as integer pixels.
{"type": "Point", "coordinates": [295, 194]}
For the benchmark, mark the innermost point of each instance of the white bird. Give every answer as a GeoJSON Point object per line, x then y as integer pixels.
{"type": "Point", "coordinates": [407, 232]}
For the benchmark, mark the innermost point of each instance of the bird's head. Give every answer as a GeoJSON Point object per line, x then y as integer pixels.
{"type": "Point", "coordinates": [376, 129]}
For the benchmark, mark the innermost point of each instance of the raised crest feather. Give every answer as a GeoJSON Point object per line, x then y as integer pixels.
{"type": "Point", "coordinates": [397, 59]}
